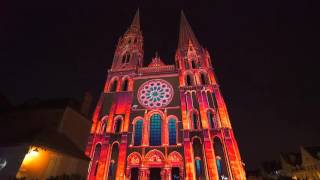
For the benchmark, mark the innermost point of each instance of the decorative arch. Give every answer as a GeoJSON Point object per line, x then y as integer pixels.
{"type": "Point", "coordinates": [154, 158]}
{"type": "Point", "coordinates": [114, 84]}
{"type": "Point", "coordinates": [150, 113]}
{"type": "Point", "coordinates": [196, 138]}
{"type": "Point", "coordinates": [175, 159]}
{"type": "Point", "coordinates": [134, 159]}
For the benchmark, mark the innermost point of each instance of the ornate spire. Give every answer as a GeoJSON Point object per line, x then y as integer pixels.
{"type": "Point", "coordinates": [186, 34]}
{"type": "Point", "coordinates": [135, 25]}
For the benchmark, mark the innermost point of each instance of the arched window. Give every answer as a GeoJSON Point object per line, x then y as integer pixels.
{"type": "Point", "coordinates": [196, 124]}
{"type": "Point", "coordinates": [220, 158]}
{"type": "Point", "coordinates": [189, 81]}
{"type": "Point", "coordinates": [114, 85]}
{"type": "Point", "coordinates": [198, 158]}
{"type": "Point", "coordinates": [117, 126]}
{"type": "Point", "coordinates": [211, 119]}
{"type": "Point", "coordinates": [172, 131]}
{"type": "Point", "coordinates": [95, 160]}
{"type": "Point", "coordinates": [138, 133]}
{"type": "Point", "coordinates": [204, 79]}
{"type": "Point", "coordinates": [155, 130]}
{"type": "Point", "coordinates": [113, 161]}
{"type": "Point", "coordinates": [125, 85]}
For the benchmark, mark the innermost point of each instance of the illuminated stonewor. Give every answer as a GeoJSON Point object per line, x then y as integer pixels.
{"type": "Point", "coordinates": [162, 121]}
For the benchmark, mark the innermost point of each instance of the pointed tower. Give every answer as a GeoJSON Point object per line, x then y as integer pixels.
{"type": "Point", "coordinates": [210, 147]}
{"type": "Point", "coordinates": [129, 51]}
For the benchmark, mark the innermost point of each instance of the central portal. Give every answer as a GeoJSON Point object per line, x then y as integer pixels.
{"type": "Point", "coordinates": [155, 173]}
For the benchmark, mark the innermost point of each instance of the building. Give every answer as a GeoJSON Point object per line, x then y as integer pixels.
{"type": "Point", "coordinates": [40, 140]}
{"type": "Point", "coordinates": [302, 166]}
{"type": "Point", "coordinates": [162, 121]}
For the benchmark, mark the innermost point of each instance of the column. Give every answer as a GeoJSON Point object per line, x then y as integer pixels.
{"type": "Point", "coordinates": [166, 173]}
{"type": "Point", "coordinates": [144, 174]}
{"type": "Point", "coordinates": [181, 173]}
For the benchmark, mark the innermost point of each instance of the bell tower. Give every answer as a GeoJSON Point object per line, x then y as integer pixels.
{"type": "Point", "coordinates": [210, 147]}
{"type": "Point", "coordinates": [129, 51]}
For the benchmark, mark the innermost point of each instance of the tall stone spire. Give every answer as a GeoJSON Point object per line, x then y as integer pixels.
{"type": "Point", "coordinates": [136, 20]}
{"type": "Point", "coordinates": [186, 34]}
{"type": "Point", "coordinates": [135, 25]}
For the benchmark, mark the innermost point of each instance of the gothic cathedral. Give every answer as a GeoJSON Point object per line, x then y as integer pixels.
{"type": "Point", "coordinates": [166, 122]}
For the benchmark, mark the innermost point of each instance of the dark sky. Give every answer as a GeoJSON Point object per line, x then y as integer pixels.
{"type": "Point", "coordinates": [266, 56]}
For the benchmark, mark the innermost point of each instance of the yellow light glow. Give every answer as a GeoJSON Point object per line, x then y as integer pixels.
{"type": "Point", "coordinates": [31, 155]}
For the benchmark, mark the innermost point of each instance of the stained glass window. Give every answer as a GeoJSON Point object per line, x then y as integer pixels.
{"type": "Point", "coordinates": [172, 132]}
{"type": "Point", "coordinates": [155, 93]}
{"type": "Point", "coordinates": [218, 161]}
{"type": "Point", "coordinates": [198, 167]}
{"type": "Point", "coordinates": [111, 169]}
{"type": "Point", "coordinates": [138, 133]}
{"type": "Point", "coordinates": [155, 130]}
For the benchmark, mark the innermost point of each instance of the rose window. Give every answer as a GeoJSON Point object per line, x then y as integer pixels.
{"type": "Point", "coordinates": [155, 93]}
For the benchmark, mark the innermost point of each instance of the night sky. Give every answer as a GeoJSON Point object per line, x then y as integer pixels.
{"type": "Point", "coordinates": [265, 54]}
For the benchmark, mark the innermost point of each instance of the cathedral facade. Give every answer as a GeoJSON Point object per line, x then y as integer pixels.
{"type": "Point", "coordinates": [162, 121]}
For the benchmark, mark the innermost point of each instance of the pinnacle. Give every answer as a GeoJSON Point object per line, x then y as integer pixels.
{"type": "Point", "coordinates": [186, 34]}
{"type": "Point", "coordinates": [136, 20]}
